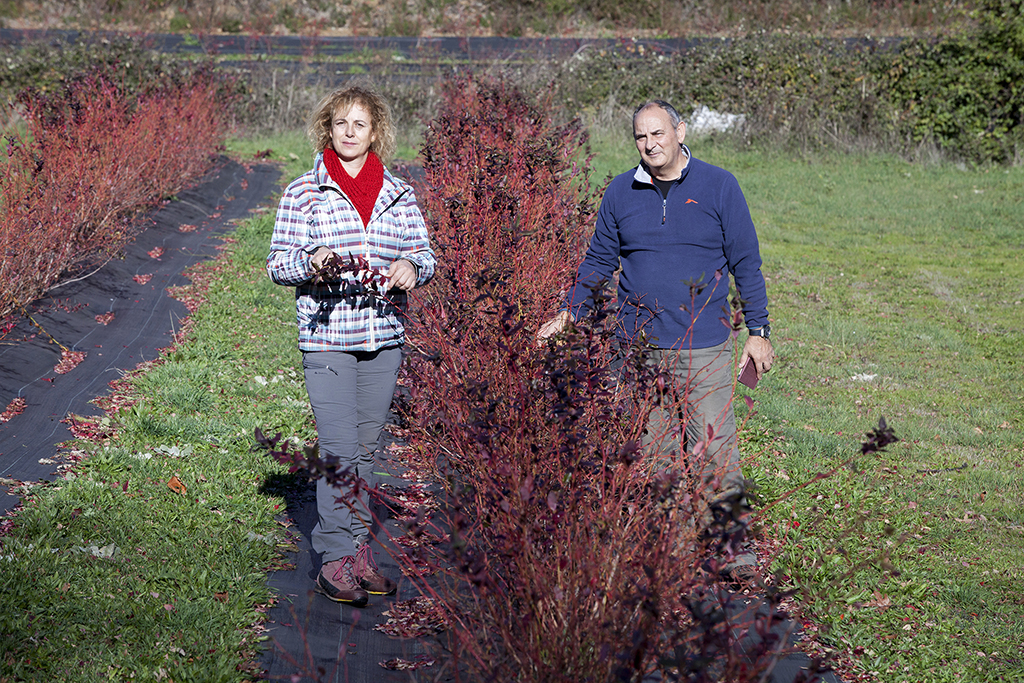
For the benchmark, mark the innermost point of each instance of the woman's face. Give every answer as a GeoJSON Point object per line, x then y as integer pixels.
{"type": "Point", "coordinates": [352, 132]}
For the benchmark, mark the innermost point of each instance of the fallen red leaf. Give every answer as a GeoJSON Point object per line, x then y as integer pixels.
{"type": "Point", "coordinates": [15, 407]}
{"type": "Point", "coordinates": [69, 360]}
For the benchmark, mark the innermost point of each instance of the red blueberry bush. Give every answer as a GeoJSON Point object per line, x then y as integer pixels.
{"type": "Point", "coordinates": [570, 558]}
{"type": "Point", "coordinates": [88, 156]}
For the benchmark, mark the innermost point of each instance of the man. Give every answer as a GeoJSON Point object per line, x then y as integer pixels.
{"type": "Point", "coordinates": [675, 225]}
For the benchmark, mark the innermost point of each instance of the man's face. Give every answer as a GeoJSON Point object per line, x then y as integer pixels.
{"type": "Point", "coordinates": [658, 142]}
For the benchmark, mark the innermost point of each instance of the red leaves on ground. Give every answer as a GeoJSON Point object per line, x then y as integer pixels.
{"type": "Point", "coordinates": [90, 428]}
{"type": "Point", "coordinates": [69, 360]}
{"type": "Point", "coordinates": [399, 664]}
{"type": "Point", "coordinates": [105, 318]}
{"type": "Point", "coordinates": [186, 227]}
{"type": "Point", "coordinates": [414, 618]}
{"type": "Point", "coordinates": [156, 252]}
{"type": "Point", "coordinates": [15, 407]}
{"type": "Point", "coordinates": [143, 278]}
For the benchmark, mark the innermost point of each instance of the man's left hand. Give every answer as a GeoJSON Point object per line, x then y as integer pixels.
{"type": "Point", "coordinates": [401, 274]}
{"type": "Point", "coordinates": [760, 352]}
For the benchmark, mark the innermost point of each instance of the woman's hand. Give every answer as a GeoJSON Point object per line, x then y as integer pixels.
{"type": "Point", "coordinates": [402, 274]}
{"type": "Point", "coordinates": [319, 256]}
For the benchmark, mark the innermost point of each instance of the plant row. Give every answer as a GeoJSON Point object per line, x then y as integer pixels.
{"type": "Point", "coordinates": [84, 155]}
{"type": "Point", "coordinates": [568, 556]}
{"type": "Point", "coordinates": [493, 17]}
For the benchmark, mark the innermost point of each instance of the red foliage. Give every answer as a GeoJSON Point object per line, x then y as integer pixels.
{"type": "Point", "coordinates": [567, 558]}
{"type": "Point", "coordinates": [69, 360]}
{"type": "Point", "coordinates": [105, 318]}
{"type": "Point", "coordinates": [15, 407]}
{"type": "Point", "coordinates": [91, 157]}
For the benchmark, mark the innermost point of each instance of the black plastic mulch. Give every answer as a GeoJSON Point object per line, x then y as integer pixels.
{"type": "Point", "coordinates": [144, 318]}
{"type": "Point", "coordinates": [316, 639]}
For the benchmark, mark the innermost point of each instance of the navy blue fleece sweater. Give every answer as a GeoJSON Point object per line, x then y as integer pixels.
{"type": "Point", "coordinates": [670, 251]}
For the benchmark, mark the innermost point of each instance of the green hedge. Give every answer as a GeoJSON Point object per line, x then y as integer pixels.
{"type": "Point", "coordinates": [963, 94]}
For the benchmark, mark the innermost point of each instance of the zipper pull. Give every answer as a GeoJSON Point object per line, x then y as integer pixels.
{"type": "Point", "coordinates": [664, 208]}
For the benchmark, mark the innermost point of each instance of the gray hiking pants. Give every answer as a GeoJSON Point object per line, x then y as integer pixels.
{"type": "Point", "coordinates": [701, 399]}
{"type": "Point", "coordinates": [350, 393]}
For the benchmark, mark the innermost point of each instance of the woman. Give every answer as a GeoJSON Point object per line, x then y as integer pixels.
{"type": "Point", "coordinates": [350, 335]}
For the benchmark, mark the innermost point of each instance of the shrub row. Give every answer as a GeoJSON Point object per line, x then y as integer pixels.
{"type": "Point", "coordinates": [89, 154]}
{"type": "Point", "coordinates": [567, 558]}
{"type": "Point", "coordinates": [501, 17]}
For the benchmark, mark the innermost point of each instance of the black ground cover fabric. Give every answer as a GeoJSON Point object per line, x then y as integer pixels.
{"type": "Point", "coordinates": [144, 318]}
{"type": "Point", "coordinates": [309, 633]}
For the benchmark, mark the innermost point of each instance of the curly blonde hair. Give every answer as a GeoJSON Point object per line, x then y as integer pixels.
{"type": "Point", "coordinates": [382, 125]}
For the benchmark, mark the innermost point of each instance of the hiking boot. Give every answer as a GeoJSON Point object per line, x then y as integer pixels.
{"type": "Point", "coordinates": [742, 571]}
{"type": "Point", "coordinates": [338, 582]}
{"type": "Point", "coordinates": [369, 578]}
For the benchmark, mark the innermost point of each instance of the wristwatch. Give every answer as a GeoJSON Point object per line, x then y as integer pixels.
{"type": "Point", "coordinates": [765, 332]}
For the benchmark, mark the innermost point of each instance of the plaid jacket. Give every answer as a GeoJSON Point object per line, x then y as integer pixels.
{"type": "Point", "coordinates": [345, 316]}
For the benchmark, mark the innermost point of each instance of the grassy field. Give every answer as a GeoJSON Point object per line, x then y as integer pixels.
{"type": "Point", "coordinates": [895, 290]}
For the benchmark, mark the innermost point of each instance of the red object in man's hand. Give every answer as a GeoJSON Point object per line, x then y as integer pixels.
{"type": "Point", "coordinates": [748, 375]}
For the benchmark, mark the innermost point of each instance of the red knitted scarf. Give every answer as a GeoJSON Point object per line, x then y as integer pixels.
{"type": "Point", "coordinates": [361, 190]}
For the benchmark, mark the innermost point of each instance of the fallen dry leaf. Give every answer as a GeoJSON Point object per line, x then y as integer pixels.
{"type": "Point", "coordinates": [399, 664]}
{"type": "Point", "coordinates": [414, 618]}
{"type": "Point", "coordinates": [175, 485]}
{"type": "Point", "coordinates": [15, 407]}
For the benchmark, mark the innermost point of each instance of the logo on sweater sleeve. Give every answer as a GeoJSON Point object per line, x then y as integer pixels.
{"type": "Point", "coordinates": [690, 201]}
